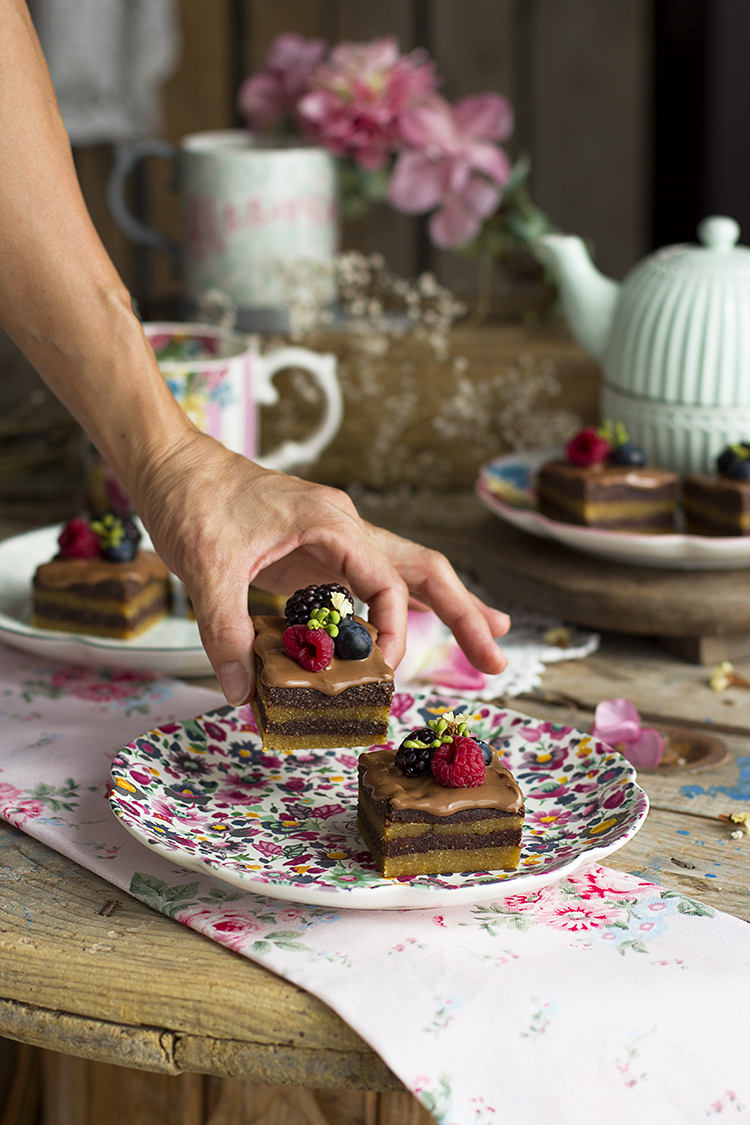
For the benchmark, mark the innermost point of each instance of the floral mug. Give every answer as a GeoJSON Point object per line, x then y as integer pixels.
{"type": "Point", "coordinates": [220, 379]}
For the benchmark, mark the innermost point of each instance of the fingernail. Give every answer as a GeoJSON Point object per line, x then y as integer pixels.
{"type": "Point", "coordinates": [234, 683]}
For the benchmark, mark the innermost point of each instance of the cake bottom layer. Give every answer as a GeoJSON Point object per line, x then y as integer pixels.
{"type": "Point", "coordinates": [446, 860]}
{"type": "Point", "coordinates": [82, 617]}
{"type": "Point", "coordinates": [318, 727]}
{"type": "Point", "coordinates": [718, 515]}
{"type": "Point", "coordinates": [638, 516]}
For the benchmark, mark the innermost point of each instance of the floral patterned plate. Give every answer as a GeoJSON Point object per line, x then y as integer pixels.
{"type": "Point", "coordinates": [507, 486]}
{"type": "Point", "coordinates": [172, 646]}
{"type": "Point", "coordinates": [203, 794]}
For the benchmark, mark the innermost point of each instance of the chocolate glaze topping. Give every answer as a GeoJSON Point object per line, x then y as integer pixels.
{"type": "Point", "coordinates": [499, 791]}
{"type": "Point", "coordinates": [279, 670]}
{"type": "Point", "coordinates": [61, 573]}
{"type": "Point", "coordinates": [642, 476]}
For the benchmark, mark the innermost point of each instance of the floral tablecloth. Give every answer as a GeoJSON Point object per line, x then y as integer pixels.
{"type": "Point", "coordinates": [599, 998]}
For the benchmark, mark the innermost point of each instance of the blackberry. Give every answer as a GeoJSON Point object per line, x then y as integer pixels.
{"type": "Point", "coordinates": [414, 755]}
{"type": "Point", "coordinates": [300, 606]}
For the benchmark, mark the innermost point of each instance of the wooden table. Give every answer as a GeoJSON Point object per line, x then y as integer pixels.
{"type": "Point", "coordinates": [130, 1016]}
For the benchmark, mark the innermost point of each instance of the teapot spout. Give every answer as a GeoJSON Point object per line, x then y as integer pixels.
{"type": "Point", "coordinates": [588, 297]}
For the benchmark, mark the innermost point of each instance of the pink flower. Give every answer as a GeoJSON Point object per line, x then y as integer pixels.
{"type": "Point", "coordinates": [617, 723]}
{"type": "Point", "coordinates": [266, 98]}
{"type": "Point", "coordinates": [358, 95]}
{"type": "Point", "coordinates": [453, 163]}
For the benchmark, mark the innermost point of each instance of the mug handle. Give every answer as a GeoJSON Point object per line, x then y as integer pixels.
{"type": "Point", "coordinates": [126, 158]}
{"type": "Point", "coordinates": [323, 369]}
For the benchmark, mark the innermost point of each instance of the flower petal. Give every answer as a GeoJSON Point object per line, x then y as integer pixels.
{"type": "Point", "coordinates": [484, 115]}
{"type": "Point", "coordinates": [616, 720]}
{"type": "Point", "coordinates": [454, 224]}
{"type": "Point", "coordinates": [645, 751]}
{"type": "Point", "coordinates": [417, 183]}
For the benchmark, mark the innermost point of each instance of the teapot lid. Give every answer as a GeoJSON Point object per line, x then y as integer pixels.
{"type": "Point", "coordinates": [717, 254]}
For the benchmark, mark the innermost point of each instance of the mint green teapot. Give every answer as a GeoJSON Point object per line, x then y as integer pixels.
{"type": "Point", "coordinates": [673, 341]}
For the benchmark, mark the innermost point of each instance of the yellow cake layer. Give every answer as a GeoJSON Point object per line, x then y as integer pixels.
{"type": "Point", "coordinates": [611, 509]}
{"type": "Point", "coordinates": [361, 714]}
{"type": "Point", "coordinates": [39, 621]}
{"type": "Point", "coordinates": [77, 602]}
{"type": "Point", "coordinates": [275, 741]}
{"type": "Point", "coordinates": [401, 830]}
{"type": "Point", "coordinates": [442, 862]}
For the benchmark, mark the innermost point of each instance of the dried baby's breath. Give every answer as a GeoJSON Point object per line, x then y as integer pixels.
{"type": "Point", "coordinates": [418, 412]}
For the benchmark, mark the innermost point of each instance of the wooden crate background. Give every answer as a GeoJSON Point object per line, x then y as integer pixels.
{"type": "Point", "coordinates": [577, 73]}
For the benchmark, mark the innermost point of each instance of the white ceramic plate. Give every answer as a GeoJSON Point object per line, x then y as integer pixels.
{"type": "Point", "coordinates": [172, 646]}
{"type": "Point", "coordinates": [507, 486]}
{"type": "Point", "coordinates": [204, 795]}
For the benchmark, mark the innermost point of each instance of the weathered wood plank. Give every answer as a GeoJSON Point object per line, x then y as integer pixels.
{"type": "Point", "coordinates": [141, 974]}
{"type": "Point", "coordinates": [662, 687]}
{"type": "Point", "coordinates": [716, 869]}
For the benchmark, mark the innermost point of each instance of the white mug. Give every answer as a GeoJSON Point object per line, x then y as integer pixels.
{"type": "Point", "coordinates": [220, 379]}
{"type": "Point", "coordinates": [247, 206]}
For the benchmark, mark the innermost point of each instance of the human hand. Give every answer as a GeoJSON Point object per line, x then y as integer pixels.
{"type": "Point", "coordinates": [221, 522]}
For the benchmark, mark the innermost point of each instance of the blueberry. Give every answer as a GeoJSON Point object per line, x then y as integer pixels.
{"type": "Point", "coordinates": [627, 454]}
{"type": "Point", "coordinates": [737, 470]}
{"type": "Point", "coordinates": [486, 750]}
{"type": "Point", "coordinates": [730, 461]}
{"type": "Point", "coordinates": [353, 641]}
{"type": "Point", "coordinates": [126, 549]}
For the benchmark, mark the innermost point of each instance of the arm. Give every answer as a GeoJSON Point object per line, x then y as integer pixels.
{"type": "Point", "coordinates": [218, 520]}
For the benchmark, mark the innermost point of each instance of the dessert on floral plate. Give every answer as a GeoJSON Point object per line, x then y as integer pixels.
{"type": "Point", "coordinates": [204, 794]}
{"type": "Point", "coordinates": [321, 680]}
{"type": "Point", "coordinates": [442, 803]}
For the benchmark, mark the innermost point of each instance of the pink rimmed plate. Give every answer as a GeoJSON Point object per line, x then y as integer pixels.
{"type": "Point", "coordinates": [507, 486]}
{"type": "Point", "coordinates": [204, 795]}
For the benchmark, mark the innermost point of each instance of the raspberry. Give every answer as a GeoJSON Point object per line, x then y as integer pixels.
{"type": "Point", "coordinates": [78, 540]}
{"type": "Point", "coordinates": [459, 764]}
{"type": "Point", "coordinates": [311, 648]}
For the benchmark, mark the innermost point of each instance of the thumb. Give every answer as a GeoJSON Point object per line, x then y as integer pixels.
{"type": "Point", "coordinates": [227, 634]}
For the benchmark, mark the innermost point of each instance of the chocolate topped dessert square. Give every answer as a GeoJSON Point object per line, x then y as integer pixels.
{"type": "Point", "coordinates": [101, 582]}
{"type": "Point", "coordinates": [719, 503]}
{"type": "Point", "coordinates": [316, 690]}
{"type": "Point", "coordinates": [609, 487]}
{"type": "Point", "coordinates": [442, 803]}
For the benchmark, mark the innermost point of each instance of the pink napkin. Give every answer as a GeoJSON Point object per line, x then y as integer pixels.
{"type": "Point", "coordinates": [601, 997]}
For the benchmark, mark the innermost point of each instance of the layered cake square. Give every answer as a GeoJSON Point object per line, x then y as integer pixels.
{"type": "Point", "coordinates": [609, 487]}
{"type": "Point", "coordinates": [719, 503]}
{"type": "Point", "coordinates": [321, 680]}
{"type": "Point", "coordinates": [442, 803]}
{"type": "Point", "coordinates": [100, 583]}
